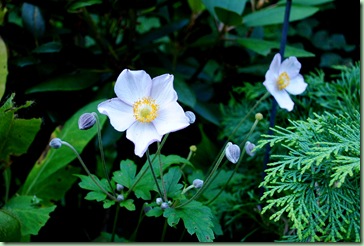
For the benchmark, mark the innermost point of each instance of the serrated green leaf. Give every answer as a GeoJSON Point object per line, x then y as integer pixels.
{"type": "Point", "coordinates": [52, 160]}
{"type": "Point", "coordinates": [108, 203]}
{"type": "Point", "coordinates": [95, 195]}
{"type": "Point", "coordinates": [154, 212]}
{"type": "Point", "coordinates": [275, 15]}
{"type": "Point", "coordinates": [31, 218]}
{"type": "Point", "coordinates": [9, 227]}
{"type": "Point", "coordinates": [126, 175]}
{"type": "Point", "coordinates": [128, 204]}
{"type": "Point", "coordinates": [3, 67]}
{"type": "Point", "coordinates": [171, 179]}
{"type": "Point", "coordinates": [16, 134]}
{"type": "Point", "coordinates": [196, 218]}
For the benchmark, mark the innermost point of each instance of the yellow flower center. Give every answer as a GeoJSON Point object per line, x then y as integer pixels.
{"type": "Point", "coordinates": [283, 81]}
{"type": "Point", "coordinates": [145, 110]}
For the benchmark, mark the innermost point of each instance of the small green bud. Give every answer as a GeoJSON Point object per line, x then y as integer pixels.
{"type": "Point", "coordinates": [258, 116]}
{"type": "Point", "coordinates": [193, 148]}
{"type": "Point", "coordinates": [86, 121]}
{"type": "Point", "coordinates": [55, 143]}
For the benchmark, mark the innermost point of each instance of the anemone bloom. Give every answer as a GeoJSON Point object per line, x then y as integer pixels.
{"type": "Point", "coordinates": [283, 78]}
{"type": "Point", "coordinates": [146, 108]}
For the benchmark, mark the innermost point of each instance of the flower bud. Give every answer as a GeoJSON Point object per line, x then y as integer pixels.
{"type": "Point", "coordinates": [249, 148]}
{"type": "Point", "coordinates": [258, 116]}
{"type": "Point", "coordinates": [55, 143]}
{"type": "Point", "coordinates": [119, 187]}
{"type": "Point", "coordinates": [120, 198]}
{"type": "Point", "coordinates": [232, 152]}
{"type": "Point", "coordinates": [86, 121]}
{"type": "Point", "coordinates": [159, 201]}
{"type": "Point", "coordinates": [191, 116]}
{"type": "Point", "coordinates": [197, 183]}
{"type": "Point", "coordinates": [164, 205]}
{"type": "Point", "coordinates": [193, 148]}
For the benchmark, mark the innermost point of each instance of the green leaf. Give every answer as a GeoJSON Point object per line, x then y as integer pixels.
{"type": "Point", "coordinates": [185, 94]}
{"type": "Point", "coordinates": [264, 48]}
{"type": "Point", "coordinates": [307, 2]}
{"type": "Point", "coordinates": [31, 217]}
{"type": "Point", "coordinates": [228, 17]}
{"type": "Point", "coordinates": [171, 179]}
{"type": "Point", "coordinates": [196, 218]}
{"type": "Point", "coordinates": [3, 67]}
{"type": "Point", "coordinates": [196, 6]}
{"type": "Point", "coordinates": [126, 175]}
{"type": "Point", "coordinates": [53, 160]}
{"type": "Point", "coordinates": [10, 227]}
{"type": "Point", "coordinates": [33, 19]}
{"type": "Point", "coordinates": [50, 47]}
{"type": "Point", "coordinates": [16, 134]}
{"type": "Point", "coordinates": [76, 5]}
{"type": "Point", "coordinates": [275, 15]}
{"type": "Point", "coordinates": [128, 204]}
{"type": "Point", "coordinates": [236, 6]}
{"type": "Point", "coordinates": [78, 80]}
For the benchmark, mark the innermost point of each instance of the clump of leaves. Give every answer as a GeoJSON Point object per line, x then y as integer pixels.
{"type": "Point", "coordinates": [317, 182]}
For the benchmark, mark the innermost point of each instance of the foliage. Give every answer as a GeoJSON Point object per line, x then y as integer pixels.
{"type": "Point", "coordinates": [318, 172]}
{"type": "Point", "coordinates": [61, 58]}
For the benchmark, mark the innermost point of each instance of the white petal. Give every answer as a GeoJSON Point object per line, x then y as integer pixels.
{"type": "Point", "coordinates": [273, 71]}
{"type": "Point", "coordinates": [170, 119]}
{"type": "Point", "coordinates": [276, 62]}
{"type": "Point", "coordinates": [162, 90]}
{"type": "Point", "coordinates": [120, 114]}
{"type": "Point", "coordinates": [283, 99]}
{"type": "Point", "coordinates": [291, 66]}
{"type": "Point", "coordinates": [132, 85]}
{"type": "Point", "coordinates": [296, 86]}
{"type": "Point", "coordinates": [142, 135]}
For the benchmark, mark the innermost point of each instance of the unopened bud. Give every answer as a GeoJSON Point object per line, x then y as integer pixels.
{"type": "Point", "coordinates": [258, 116]}
{"type": "Point", "coordinates": [164, 205]}
{"type": "Point", "coordinates": [159, 201]}
{"type": "Point", "coordinates": [120, 198]}
{"type": "Point", "coordinates": [197, 183]}
{"type": "Point", "coordinates": [249, 148]}
{"type": "Point", "coordinates": [86, 121]}
{"type": "Point", "coordinates": [55, 143]}
{"type": "Point", "coordinates": [119, 187]}
{"type": "Point", "coordinates": [191, 116]}
{"type": "Point", "coordinates": [193, 148]}
{"type": "Point", "coordinates": [232, 152]}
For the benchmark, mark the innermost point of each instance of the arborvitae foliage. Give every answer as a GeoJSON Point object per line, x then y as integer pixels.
{"type": "Point", "coordinates": [316, 184]}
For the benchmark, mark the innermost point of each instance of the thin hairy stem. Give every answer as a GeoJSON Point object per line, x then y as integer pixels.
{"type": "Point", "coordinates": [154, 176]}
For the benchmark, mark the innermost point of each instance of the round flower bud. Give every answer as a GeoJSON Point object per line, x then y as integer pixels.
{"type": "Point", "coordinates": [55, 143]}
{"type": "Point", "coordinates": [193, 148]}
{"type": "Point", "coordinates": [258, 116]}
{"type": "Point", "coordinates": [120, 198]}
{"type": "Point", "coordinates": [191, 116]}
{"type": "Point", "coordinates": [197, 183]}
{"type": "Point", "coordinates": [159, 201]}
{"type": "Point", "coordinates": [232, 152]}
{"type": "Point", "coordinates": [86, 121]}
{"type": "Point", "coordinates": [164, 205]}
{"type": "Point", "coordinates": [119, 187]}
{"type": "Point", "coordinates": [249, 148]}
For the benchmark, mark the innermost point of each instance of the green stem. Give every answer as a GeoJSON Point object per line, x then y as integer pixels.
{"type": "Point", "coordinates": [115, 222]}
{"type": "Point", "coordinates": [146, 169]}
{"type": "Point", "coordinates": [141, 216]}
{"type": "Point", "coordinates": [206, 182]}
{"type": "Point", "coordinates": [164, 231]}
{"type": "Point", "coordinates": [102, 152]}
{"type": "Point", "coordinates": [242, 146]}
{"type": "Point", "coordinates": [162, 180]}
{"type": "Point", "coordinates": [88, 172]}
{"type": "Point", "coordinates": [154, 176]}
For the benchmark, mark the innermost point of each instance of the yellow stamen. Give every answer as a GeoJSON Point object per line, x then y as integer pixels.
{"type": "Point", "coordinates": [145, 110]}
{"type": "Point", "coordinates": [283, 81]}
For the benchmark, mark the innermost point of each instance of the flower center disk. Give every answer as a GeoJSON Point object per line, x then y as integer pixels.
{"type": "Point", "coordinates": [145, 110]}
{"type": "Point", "coordinates": [283, 81]}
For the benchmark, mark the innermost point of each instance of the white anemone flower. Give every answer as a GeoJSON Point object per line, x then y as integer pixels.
{"type": "Point", "coordinates": [283, 78]}
{"type": "Point", "coordinates": [146, 108]}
